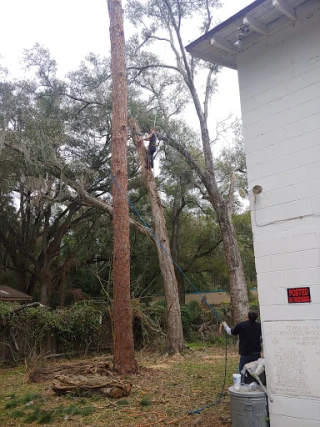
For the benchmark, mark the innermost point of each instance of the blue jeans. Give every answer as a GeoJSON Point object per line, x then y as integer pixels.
{"type": "Point", "coordinates": [247, 359]}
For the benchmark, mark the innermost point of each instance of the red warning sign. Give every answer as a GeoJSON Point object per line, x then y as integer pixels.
{"type": "Point", "coordinates": [297, 295]}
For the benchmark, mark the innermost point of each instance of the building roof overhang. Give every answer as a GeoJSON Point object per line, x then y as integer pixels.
{"type": "Point", "coordinates": [12, 295]}
{"type": "Point", "coordinates": [260, 19]}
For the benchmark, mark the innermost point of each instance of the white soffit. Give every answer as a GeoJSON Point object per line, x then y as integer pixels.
{"type": "Point", "coordinates": [261, 18]}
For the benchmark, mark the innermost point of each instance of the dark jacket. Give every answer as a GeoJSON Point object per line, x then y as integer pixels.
{"type": "Point", "coordinates": [153, 140]}
{"type": "Point", "coordinates": [249, 337]}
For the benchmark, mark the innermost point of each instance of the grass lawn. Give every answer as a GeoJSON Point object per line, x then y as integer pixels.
{"type": "Point", "coordinates": [162, 394]}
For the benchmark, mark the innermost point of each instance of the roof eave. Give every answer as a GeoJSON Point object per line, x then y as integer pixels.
{"type": "Point", "coordinates": [241, 14]}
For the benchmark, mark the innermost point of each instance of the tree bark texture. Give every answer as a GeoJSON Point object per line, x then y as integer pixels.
{"type": "Point", "coordinates": [64, 271]}
{"type": "Point", "coordinates": [174, 336]}
{"type": "Point", "coordinates": [174, 244]}
{"type": "Point", "coordinates": [123, 358]}
{"type": "Point", "coordinates": [238, 286]}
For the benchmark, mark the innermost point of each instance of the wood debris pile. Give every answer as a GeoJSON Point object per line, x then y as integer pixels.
{"type": "Point", "coordinates": [48, 372]}
{"type": "Point", "coordinates": [81, 377]}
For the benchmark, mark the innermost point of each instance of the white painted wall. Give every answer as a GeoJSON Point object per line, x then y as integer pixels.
{"type": "Point", "coordinates": [279, 81]}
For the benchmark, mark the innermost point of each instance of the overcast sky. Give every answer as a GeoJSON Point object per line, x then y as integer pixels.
{"type": "Point", "coordinates": [72, 28]}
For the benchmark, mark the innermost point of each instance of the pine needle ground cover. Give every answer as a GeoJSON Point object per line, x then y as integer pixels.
{"type": "Point", "coordinates": [163, 393]}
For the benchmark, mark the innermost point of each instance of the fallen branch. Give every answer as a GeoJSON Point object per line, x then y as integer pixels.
{"type": "Point", "coordinates": [110, 388]}
{"type": "Point", "coordinates": [23, 307]}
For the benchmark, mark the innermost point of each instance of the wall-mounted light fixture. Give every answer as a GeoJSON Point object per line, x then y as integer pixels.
{"type": "Point", "coordinates": [257, 189]}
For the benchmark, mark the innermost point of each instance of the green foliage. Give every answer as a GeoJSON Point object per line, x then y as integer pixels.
{"type": "Point", "coordinates": [76, 410]}
{"type": "Point", "coordinates": [5, 309]}
{"type": "Point", "coordinates": [28, 397]}
{"type": "Point", "coordinates": [224, 310]}
{"type": "Point", "coordinates": [123, 402]}
{"type": "Point", "coordinates": [79, 322]}
{"type": "Point", "coordinates": [192, 315]}
{"type": "Point", "coordinates": [40, 321]}
{"type": "Point", "coordinates": [77, 326]}
{"type": "Point", "coordinates": [146, 401]}
{"type": "Point", "coordinates": [65, 142]}
{"type": "Point", "coordinates": [157, 313]}
{"type": "Point", "coordinates": [17, 413]}
{"type": "Point", "coordinates": [11, 404]}
{"type": "Point", "coordinates": [36, 414]}
{"type": "Point", "coordinates": [186, 317]}
{"type": "Point", "coordinates": [242, 223]}
{"type": "Point", "coordinates": [254, 306]}
{"type": "Point", "coordinates": [39, 416]}
{"type": "Point", "coordinates": [196, 345]}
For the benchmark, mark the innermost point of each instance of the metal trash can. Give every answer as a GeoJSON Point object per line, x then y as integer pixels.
{"type": "Point", "coordinates": [248, 408]}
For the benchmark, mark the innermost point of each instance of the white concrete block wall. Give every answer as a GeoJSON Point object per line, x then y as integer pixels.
{"type": "Point", "coordinates": [279, 81]}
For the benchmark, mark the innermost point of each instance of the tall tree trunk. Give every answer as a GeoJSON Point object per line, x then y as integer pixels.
{"type": "Point", "coordinates": [174, 244]}
{"type": "Point", "coordinates": [123, 358]}
{"type": "Point", "coordinates": [238, 286]}
{"type": "Point", "coordinates": [45, 285]}
{"type": "Point", "coordinates": [64, 270]}
{"type": "Point", "coordinates": [174, 337]}
{"type": "Point", "coordinates": [45, 275]}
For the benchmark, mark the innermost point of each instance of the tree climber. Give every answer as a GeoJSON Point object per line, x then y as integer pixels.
{"type": "Point", "coordinates": [152, 147]}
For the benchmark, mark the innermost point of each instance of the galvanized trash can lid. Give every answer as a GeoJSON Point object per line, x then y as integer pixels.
{"type": "Point", "coordinates": [246, 391]}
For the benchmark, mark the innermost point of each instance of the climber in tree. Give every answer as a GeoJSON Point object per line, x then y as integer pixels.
{"type": "Point", "coordinates": [152, 147]}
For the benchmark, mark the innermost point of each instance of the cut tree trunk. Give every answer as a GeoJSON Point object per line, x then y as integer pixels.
{"type": "Point", "coordinates": [174, 336]}
{"type": "Point", "coordinates": [123, 358]}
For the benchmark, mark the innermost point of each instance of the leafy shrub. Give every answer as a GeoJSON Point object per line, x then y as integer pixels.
{"type": "Point", "coordinates": [6, 309]}
{"type": "Point", "coordinates": [254, 306]}
{"type": "Point", "coordinates": [157, 312]}
{"type": "Point", "coordinates": [79, 322]}
{"type": "Point", "coordinates": [26, 330]}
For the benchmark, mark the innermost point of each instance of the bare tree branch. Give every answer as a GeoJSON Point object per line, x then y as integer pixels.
{"type": "Point", "coordinates": [152, 66]}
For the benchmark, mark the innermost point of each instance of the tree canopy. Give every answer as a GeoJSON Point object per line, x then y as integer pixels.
{"type": "Point", "coordinates": [56, 203]}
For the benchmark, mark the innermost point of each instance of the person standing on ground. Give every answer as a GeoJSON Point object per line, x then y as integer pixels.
{"type": "Point", "coordinates": [249, 333]}
{"type": "Point", "coordinates": [152, 147]}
